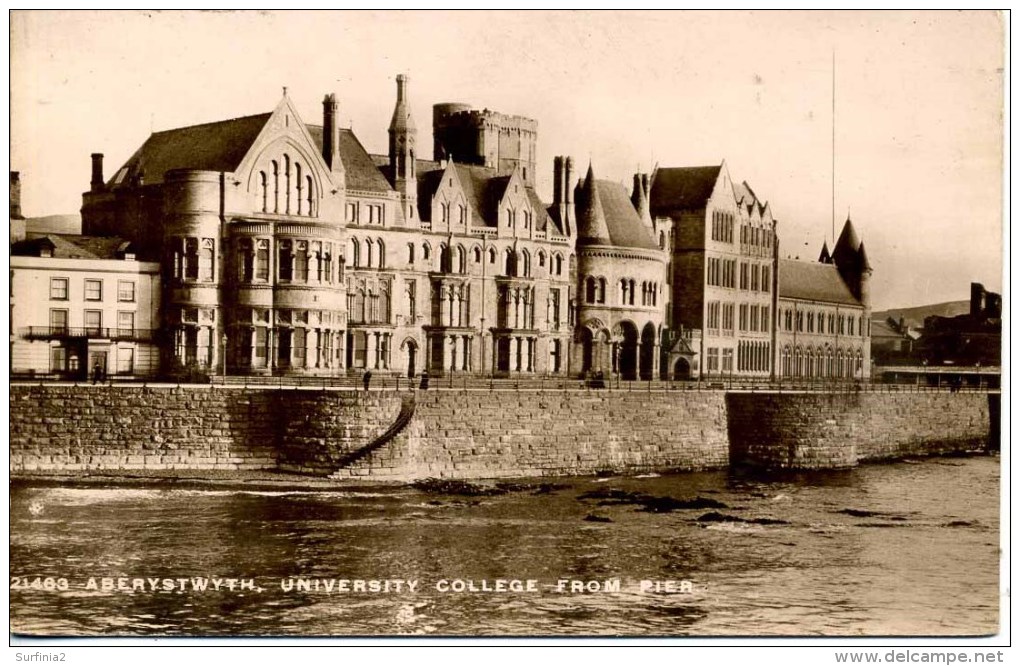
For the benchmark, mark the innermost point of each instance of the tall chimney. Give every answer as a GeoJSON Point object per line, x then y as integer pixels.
{"type": "Point", "coordinates": [330, 131]}
{"type": "Point", "coordinates": [558, 181]}
{"type": "Point", "coordinates": [97, 172]}
{"type": "Point", "coordinates": [568, 194]}
{"type": "Point", "coordinates": [16, 196]}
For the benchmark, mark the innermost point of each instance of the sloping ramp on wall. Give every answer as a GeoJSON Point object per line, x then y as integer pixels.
{"type": "Point", "coordinates": [407, 404]}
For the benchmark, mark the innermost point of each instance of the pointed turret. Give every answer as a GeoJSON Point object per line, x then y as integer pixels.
{"type": "Point", "coordinates": [825, 257]}
{"type": "Point", "coordinates": [402, 150]}
{"type": "Point", "coordinates": [846, 246]}
{"type": "Point", "coordinates": [862, 259]}
{"type": "Point", "coordinates": [591, 219]}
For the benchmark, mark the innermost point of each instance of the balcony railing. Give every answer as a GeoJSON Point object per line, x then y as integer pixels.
{"type": "Point", "coordinates": [90, 332]}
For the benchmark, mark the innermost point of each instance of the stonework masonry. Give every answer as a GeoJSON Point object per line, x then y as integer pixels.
{"type": "Point", "coordinates": [476, 434]}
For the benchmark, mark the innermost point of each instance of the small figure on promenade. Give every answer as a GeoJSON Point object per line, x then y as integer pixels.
{"type": "Point", "coordinates": [366, 379]}
{"type": "Point", "coordinates": [424, 385]}
{"type": "Point", "coordinates": [97, 373]}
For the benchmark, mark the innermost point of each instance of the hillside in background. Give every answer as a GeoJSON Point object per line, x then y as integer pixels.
{"type": "Point", "coordinates": [915, 316]}
{"type": "Point", "coordinates": [54, 224]}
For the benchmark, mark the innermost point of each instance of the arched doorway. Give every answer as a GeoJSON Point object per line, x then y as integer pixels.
{"type": "Point", "coordinates": [587, 350]}
{"type": "Point", "coordinates": [628, 365]}
{"type": "Point", "coordinates": [648, 351]}
{"type": "Point", "coordinates": [410, 348]}
{"type": "Point", "coordinates": [682, 369]}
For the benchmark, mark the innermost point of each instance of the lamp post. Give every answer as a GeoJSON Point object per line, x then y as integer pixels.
{"type": "Point", "coordinates": [223, 342]}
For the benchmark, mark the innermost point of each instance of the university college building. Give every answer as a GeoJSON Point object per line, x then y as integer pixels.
{"type": "Point", "coordinates": [285, 248]}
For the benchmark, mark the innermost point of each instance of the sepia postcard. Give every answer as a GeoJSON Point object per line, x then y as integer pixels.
{"type": "Point", "coordinates": [507, 324]}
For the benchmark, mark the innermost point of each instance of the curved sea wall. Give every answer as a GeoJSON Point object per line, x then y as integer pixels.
{"type": "Point", "coordinates": [834, 430]}
{"type": "Point", "coordinates": [475, 434]}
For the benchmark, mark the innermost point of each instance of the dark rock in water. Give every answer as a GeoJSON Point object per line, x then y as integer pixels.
{"type": "Point", "coordinates": [861, 513]}
{"type": "Point", "coordinates": [592, 518]}
{"type": "Point", "coordinates": [716, 517]}
{"type": "Point", "coordinates": [453, 487]}
{"type": "Point", "coordinates": [538, 488]}
{"type": "Point", "coordinates": [604, 473]}
{"type": "Point", "coordinates": [649, 503]}
{"type": "Point", "coordinates": [961, 523]}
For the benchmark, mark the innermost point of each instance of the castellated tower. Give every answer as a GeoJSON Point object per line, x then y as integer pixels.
{"type": "Point", "coordinates": [485, 138]}
{"type": "Point", "coordinates": [403, 135]}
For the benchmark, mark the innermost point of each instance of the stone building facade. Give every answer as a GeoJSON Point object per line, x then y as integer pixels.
{"type": "Point", "coordinates": [286, 248]}
{"type": "Point", "coordinates": [753, 314]}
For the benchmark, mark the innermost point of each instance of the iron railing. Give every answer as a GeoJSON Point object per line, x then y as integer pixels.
{"type": "Point", "coordinates": [91, 332]}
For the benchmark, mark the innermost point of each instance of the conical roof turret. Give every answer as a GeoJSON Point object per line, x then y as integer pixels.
{"type": "Point", "coordinates": [825, 257]}
{"type": "Point", "coordinates": [862, 259]}
{"type": "Point", "coordinates": [591, 223]}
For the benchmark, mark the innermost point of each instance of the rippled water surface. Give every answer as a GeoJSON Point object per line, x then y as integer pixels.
{"type": "Point", "coordinates": [901, 549]}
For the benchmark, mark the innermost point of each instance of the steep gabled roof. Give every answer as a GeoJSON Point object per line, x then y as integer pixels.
{"type": "Point", "coordinates": [814, 282]}
{"type": "Point", "coordinates": [360, 170]}
{"type": "Point", "coordinates": [218, 146]}
{"type": "Point", "coordinates": [682, 188]}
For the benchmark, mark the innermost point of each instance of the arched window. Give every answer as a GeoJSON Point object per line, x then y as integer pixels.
{"type": "Point", "coordinates": [602, 290]}
{"type": "Point", "coordinates": [286, 182]}
{"type": "Point", "coordinates": [276, 187]}
{"type": "Point", "coordinates": [309, 193]}
{"type": "Point", "coordinates": [462, 214]}
{"type": "Point", "coordinates": [369, 259]}
{"type": "Point", "coordinates": [285, 261]}
{"type": "Point", "coordinates": [299, 183]}
{"type": "Point", "coordinates": [509, 262]}
{"type": "Point", "coordinates": [558, 264]}
{"type": "Point", "coordinates": [264, 191]}
{"type": "Point", "coordinates": [662, 240]}
{"type": "Point", "coordinates": [410, 253]}
{"type": "Point", "coordinates": [355, 252]}
{"type": "Point", "coordinates": [461, 260]}
{"type": "Point", "coordinates": [206, 268]}
{"type": "Point", "coordinates": [590, 290]}
{"type": "Point", "coordinates": [492, 255]}
{"type": "Point", "coordinates": [426, 251]}
{"type": "Point", "coordinates": [382, 253]}
{"type": "Point", "coordinates": [478, 254]}
{"type": "Point", "coordinates": [526, 258]}
{"type": "Point", "coordinates": [623, 292]}
{"type": "Point", "coordinates": [444, 259]}
{"type": "Point", "coordinates": [384, 304]}
{"type": "Point", "coordinates": [631, 294]}
{"type": "Point", "coordinates": [541, 259]}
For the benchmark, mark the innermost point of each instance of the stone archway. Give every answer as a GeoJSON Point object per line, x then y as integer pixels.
{"type": "Point", "coordinates": [682, 369]}
{"type": "Point", "coordinates": [647, 359]}
{"type": "Point", "coordinates": [410, 349]}
{"type": "Point", "coordinates": [628, 342]}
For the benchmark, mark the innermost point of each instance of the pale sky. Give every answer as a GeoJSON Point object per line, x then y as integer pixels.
{"type": "Point", "coordinates": [918, 106]}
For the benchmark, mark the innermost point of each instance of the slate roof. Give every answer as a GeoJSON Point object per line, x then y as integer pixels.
{"type": "Point", "coordinates": [813, 281]}
{"type": "Point", "coordinates": [218, 146]}
{"type": "Point", "coordinates": [72, 246]}
{"type": "Point", "coordinates": [625, 226]}
{"type": "Point", "coordinates": [360, 169]}
{"type": "Point", "coordinates": [682, 188]}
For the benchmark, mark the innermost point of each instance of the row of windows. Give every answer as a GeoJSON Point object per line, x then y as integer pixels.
{"type": "Point", "coordinates": [193, 258]}
{"type": "Point", "coordinates": [93, 290]}
{"type": "Point", "coordinates": [721, 272]}
{"type": "Point", "coordinates": [755, 277]}
{"type": "Point", "coordinates": [756, 236]}
{"type": "Point", "coordinates": [720, 317]}
{"type": "Point", "coordinates": [820, 322]}
{"type": "Point", "coordinates": [284, 317]}
{"type": "Point", "coordinates": [63, 359]}
{"type": "Point", "coordinates": [297, 261]}
{"type": "Point", "coordinates": [821, 362]}
{"type": "Point", "coordinates": [287, 190]}
{"type": "Point", "coordinates": [370, 213]}
{"type": "Point", "coordinates": [713, 360]}
{"type": "Point", "coordinates": [754, 318]}
{"type": "Point", "coordinates": [722, 226]}
{"type": "Point", "coordinates": [516, 307]}
{"type": "Point", "coordinates": [455, 260]}
{"type": "Point", "coordinates": [753, 356]}
{"type": "Point", "coordinates": [93, 320]}
{"type": "Point", "coordinates": [649, 292]}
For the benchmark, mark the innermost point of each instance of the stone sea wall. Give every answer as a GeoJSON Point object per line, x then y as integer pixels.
{"type": "Point", "coordinates": [475, 434]}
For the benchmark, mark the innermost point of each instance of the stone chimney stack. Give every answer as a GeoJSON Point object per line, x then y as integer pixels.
{"type": "Point", "coordinates": [16, 196]}
{"type": "Point", "coordinates": [330, 131]}
{"type": "Point", "coordinates": [568, 194]}
{"type": "Point", "coordinates": [98, 183]}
